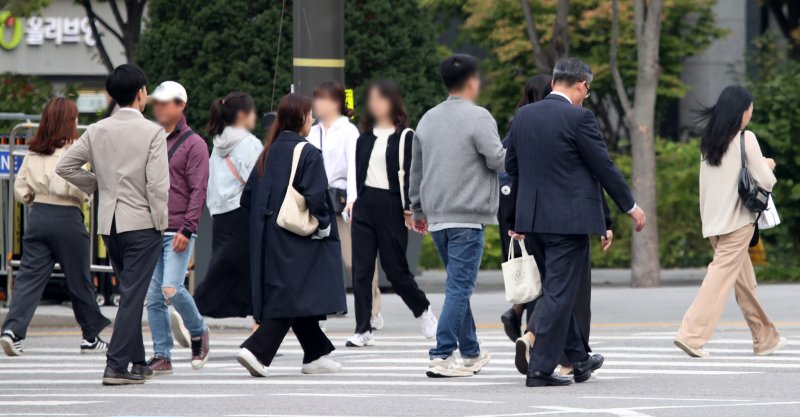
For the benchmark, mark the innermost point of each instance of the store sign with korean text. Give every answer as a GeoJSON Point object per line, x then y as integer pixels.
{"type": "Point", "coordinates": [36, 31]}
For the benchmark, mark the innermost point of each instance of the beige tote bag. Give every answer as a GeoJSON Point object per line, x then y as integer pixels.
{"type": "Point", "coordinates": [521, 276]}
{"type": "Point", "coordinates": [294, 215]}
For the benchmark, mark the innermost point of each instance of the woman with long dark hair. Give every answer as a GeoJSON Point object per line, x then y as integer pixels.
{"type": "Point", "coordinates": [296, 279]}
{"type": "Point", "coordinates": [336, 137]}
{"type": "Point", "coordinates": [225, 291]}
{"type": "Point", "coordinates": [729, 225]}
{"type": "Point", "coordinates": [537, 88]}
{"type": "Point", "coordinates": [381, 215]}
{"type": "Point", "coordinates": [55, 232]}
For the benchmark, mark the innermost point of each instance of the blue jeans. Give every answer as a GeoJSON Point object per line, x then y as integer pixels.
{"type": "Point", "coordinates": [461, 251]}
{"type": "Point", "coordinates": [170, 273]}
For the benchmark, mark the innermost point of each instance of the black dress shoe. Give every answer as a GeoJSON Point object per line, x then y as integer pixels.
{"type": "Point", "coordinates": [511, 324]}
{"type": "Point", "coordinates": [539, 379]}
{"type": "Point", "coordinates": [143, 370]}
{"type": "Point", "coordinates": [582, 371]}
{"type": "Point", "coordinates": [114, 377]}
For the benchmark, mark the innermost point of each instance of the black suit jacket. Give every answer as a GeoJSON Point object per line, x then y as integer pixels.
{"type": "Point", "coordinates": [560, 165]}
{"type": "Point", "coordinates": [364, 146]}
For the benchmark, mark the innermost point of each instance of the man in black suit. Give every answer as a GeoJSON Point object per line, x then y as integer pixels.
{"type": "Point", "coordinates": [560, 165]}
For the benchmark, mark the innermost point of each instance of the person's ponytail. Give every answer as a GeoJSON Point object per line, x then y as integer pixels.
{"type": "Point", "coordinates": [216, 119]}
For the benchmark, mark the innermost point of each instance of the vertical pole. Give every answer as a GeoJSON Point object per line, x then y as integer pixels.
{"type": "Point", "coordinates": [318, 43]}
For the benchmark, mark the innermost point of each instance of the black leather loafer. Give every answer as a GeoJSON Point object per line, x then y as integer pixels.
{"type": "Point", "coordinates": [511, 324]}
{"type": "Point", "coordinates": [539, 379]}
{"type": "Point", "coordinates": [114, 377]}
{"type": "Point", "coordinates": [582, 371]}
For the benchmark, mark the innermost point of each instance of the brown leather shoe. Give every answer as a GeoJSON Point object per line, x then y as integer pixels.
{"type": "Point", "coordinates": [200, 350]}
{"type": "Point", "coordinates": [160, 365]}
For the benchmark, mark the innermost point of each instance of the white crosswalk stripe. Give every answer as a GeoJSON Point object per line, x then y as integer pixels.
{"type": "Point", "coordinates": [398, 360]}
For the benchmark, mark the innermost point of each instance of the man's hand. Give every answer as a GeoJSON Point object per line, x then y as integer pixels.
{"type": "Point", "coordinates": [421, 227]}
{"type": "Point", "coordinates": [770, 163]}
{"type": "Point", "coordinates": [349, 210]}
{"type": "Point", "coordinates": [607, 240]}
{"type": "Point", "coordinates": [514, 235]}
{"type": "Point", "coordinates": [408, 219]}
{"type": "Point", "coordinates": [638, 218]}
{"type": "Point", "coordinates": [180, 243]}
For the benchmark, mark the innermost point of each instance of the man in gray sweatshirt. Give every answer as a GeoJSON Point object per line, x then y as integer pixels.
{"type": "Point", "coordinates": [457, 155]}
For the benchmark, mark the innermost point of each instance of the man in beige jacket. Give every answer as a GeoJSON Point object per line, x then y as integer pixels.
{"type": "Point", "coordinates": [129, 156]}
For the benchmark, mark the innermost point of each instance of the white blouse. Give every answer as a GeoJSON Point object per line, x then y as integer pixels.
{"type": "Point", "coordinates": [338, 145]}
{"type": "Point", "coordinates": [376, 171]}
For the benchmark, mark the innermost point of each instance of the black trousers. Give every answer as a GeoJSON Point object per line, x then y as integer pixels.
{"type": "Point", "coordinates": [378, 229]}
{"type": "Point", "coordinates": [563, 264]}
{"type": "Point", "coordinates": [264, 343]}
{"type": "Point", "coordinates": [134, 256]}
{"type": "Point", "coordinates": [55, 234]}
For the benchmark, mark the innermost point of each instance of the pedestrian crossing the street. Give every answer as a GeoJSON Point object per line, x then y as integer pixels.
{"type": "Point", "coordinates": [54, 377]}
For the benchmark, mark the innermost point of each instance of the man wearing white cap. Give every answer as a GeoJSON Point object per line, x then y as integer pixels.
{"type": "Point", "coordinates": [188, 174]}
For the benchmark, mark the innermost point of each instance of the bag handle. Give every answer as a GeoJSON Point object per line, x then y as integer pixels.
{"type": "Point", "coordinates": [233, 170]}
{"type": "Point", "coordinates": [178, 143]}
{"type": "Point", "coordinates": [298, 150]}
{"type": "Point", "coordinates": [521, 247]}
{"type": "Point", "coordinates": [741, 145]}
{"type": "Point", "coordinates": [401, 173]}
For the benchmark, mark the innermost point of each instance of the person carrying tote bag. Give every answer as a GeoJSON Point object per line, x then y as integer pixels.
{"type": "Point", "coordinates": [735, 182]}
{"type": "Point", "coordinates": [521, 276]}
{"type": "Point", "coordinates": [296, 272]}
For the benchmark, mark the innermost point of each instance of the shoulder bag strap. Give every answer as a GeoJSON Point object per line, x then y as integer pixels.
{"type": "Point", "coordinates": [298, 150]}
{"type": "Point", "coordinates": [401, 173]}
{"type": "Point", "coordinates": [741, 145]}
{"type": "Point", "coordinates": [178, 144]}
{"type": "Point", "coordinates": [231, 167]}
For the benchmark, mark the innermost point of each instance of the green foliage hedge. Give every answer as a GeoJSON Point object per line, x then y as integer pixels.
{"type": "Point", "coordinates": [681, 240]}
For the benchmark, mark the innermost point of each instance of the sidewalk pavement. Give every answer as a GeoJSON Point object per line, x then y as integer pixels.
{"type": "Point", "coordinates": [432, 282]}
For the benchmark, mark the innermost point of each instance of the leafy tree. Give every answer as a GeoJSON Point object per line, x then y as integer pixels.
{"type": "Point", "coordinates": [787, 16]}
{"type": "Point", "coordinates": [26, 94]}
{"type": "Point", "coordinates": [23, 7]}
{"type": "Point", "coordinates": [688, 28]}
{"type": "Point", "coordinates": [213, 47]}
{"type": "Point", "coordinates": [392, 39]}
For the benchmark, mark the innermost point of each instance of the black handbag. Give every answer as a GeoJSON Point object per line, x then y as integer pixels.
{"type": "Point", "coordinates": [338, 199]}
{"type": "Point", "coordinates": [753, 197]}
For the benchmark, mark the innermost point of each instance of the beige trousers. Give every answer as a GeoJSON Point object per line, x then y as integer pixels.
{"type": "Point", "coordinates": [730, 269]}
{"type": "Point", "coordinates": [347, 257]}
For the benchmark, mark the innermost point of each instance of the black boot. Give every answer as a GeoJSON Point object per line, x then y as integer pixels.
{"type": "Point", "coordinates": [114, 377]}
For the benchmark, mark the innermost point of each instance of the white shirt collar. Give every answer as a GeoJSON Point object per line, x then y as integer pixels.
{"type": "Point", "coordinates": [558, 93]}
{"type": "Point", "coordinates": [129, 109]}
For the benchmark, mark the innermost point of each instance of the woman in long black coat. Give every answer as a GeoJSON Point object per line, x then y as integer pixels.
{"type": "Point", "coordinates": [296, 279]}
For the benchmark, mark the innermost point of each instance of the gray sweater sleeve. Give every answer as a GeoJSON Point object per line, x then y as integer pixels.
{"type": "Point", "coordinates": [415, 178]}
{"type": "Point", "coordinates": [487, 142]}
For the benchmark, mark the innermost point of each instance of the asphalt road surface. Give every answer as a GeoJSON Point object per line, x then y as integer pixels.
{"type": "Point", "coordinates": [644, 374]}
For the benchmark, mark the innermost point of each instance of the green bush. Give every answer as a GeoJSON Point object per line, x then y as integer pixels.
{"type": "Point", "coordinates": [681, 240]}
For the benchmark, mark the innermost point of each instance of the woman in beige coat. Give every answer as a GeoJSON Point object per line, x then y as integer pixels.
{"type": "Point", "coordinates": [729, 226]}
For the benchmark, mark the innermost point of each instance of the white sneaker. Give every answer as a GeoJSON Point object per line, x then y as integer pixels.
{"type": "Point", "coordinates": [447, 368]}
{"type": "Point", "coordinates": [323, 365]}
{"type": "Point", "coordinates": [11, 344]}
{"type": "Point", "coordinates": [179, 332]}
{"type": "Point", "coordinates": [361, 340]}
{"type": "Point", "coordinates": [475, 364]}
{"type": "Point", "coordinates": [251, 363]}
{"type": "Point", "coordinates": [376, 321]}
{"type": "Point", "coordinates": [778, 346]}
{"type": "Point", "coordinates": [428, 323]}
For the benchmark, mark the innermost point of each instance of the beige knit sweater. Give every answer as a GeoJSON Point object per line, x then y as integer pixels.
{"type": "Point", "coordinates": [721, 209]}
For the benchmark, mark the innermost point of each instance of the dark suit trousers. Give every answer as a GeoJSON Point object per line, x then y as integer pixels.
{"type": "Point", "coordinates": [378, 228]}
{"type": "Point", "coordinates": [55, 234]}
{"type": "Point", "coordinates": [563, 262]}
{"type": "Point", "coordinates": [134, 256]}
{"type": "Point", "coordinates": [264, 343]}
